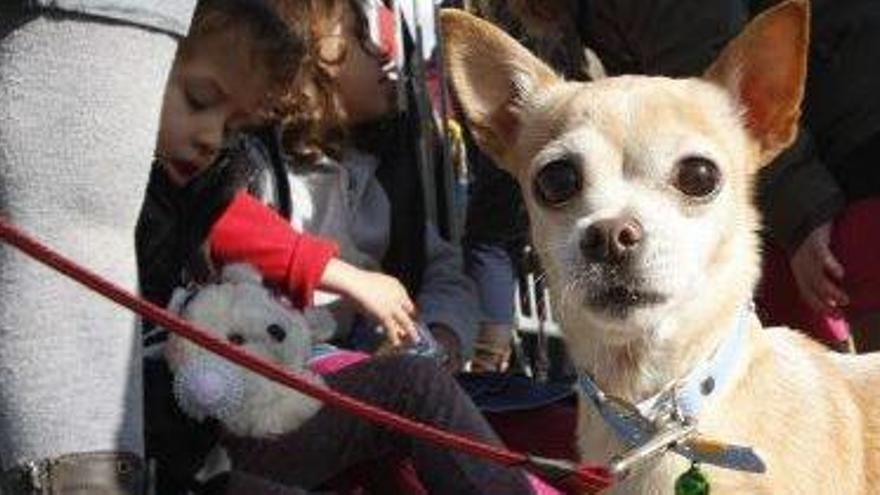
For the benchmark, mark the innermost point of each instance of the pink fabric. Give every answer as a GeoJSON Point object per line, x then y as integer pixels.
{"type": "Point", "coordinates": [541, 488]}
{"type": "Point", "coordinates": [855, 241]}
{"type": "Point", "coordinates": [336, 361]}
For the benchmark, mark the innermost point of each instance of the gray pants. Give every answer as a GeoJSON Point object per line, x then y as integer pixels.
{"type": "Point", "coordinates": [79, 108]}
{"type": "Point", "coordinates": [333, 440]}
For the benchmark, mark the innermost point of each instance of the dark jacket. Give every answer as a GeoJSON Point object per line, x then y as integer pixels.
{"type": "Point", "coordinates": [675, 38]}
{"type": "Point", "coordinates": [174, 222]}
{"type": "Point", "coordinates": [836, 163]}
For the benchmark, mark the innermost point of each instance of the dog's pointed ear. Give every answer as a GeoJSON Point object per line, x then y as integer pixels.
{"type": "Point", "coordinates": [765, 68]}
{"type": "Point", "coordinates": [492, 76]}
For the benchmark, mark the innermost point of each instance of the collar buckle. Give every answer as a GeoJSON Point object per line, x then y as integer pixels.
{"type": "Point", "coordinates": [673, 433]}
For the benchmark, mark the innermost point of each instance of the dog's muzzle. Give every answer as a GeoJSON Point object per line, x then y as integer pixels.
{"type": "Point", "coordinates": [619, 301]}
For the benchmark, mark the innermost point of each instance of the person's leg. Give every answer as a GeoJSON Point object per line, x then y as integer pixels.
{"type": "Point", "coordinates": [333, 440]}
{"type": "Point", "coordinates": [79, 108]}
{"type": "Point", "coordinates": [492, 270]}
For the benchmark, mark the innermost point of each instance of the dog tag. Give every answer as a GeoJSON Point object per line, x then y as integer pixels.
{"type": "Point", "coordinates": [692, 482]}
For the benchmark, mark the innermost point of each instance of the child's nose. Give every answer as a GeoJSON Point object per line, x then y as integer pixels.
{"type": "Point", "coordinates": [208, 142]}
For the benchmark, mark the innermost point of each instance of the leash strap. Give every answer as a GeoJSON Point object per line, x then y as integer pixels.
{"type": "Point", "coordinates": [589, 477]}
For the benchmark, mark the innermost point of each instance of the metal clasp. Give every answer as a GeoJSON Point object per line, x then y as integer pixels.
{"type": "Point", "coordinates": [663, 440]}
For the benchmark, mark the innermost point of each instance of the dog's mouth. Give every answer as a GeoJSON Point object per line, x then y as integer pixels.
{"type": "Point", "coordinates": [620, 300]}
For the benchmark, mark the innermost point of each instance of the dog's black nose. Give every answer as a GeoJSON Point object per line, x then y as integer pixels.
{"type": "Point", "coordinates": [612, 239]}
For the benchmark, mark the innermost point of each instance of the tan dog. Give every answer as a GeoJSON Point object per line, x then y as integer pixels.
{"type": "Point", "coordinates": [640, 195]}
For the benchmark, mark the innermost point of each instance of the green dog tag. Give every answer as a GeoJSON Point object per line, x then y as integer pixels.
{"type": "Point", "coordinates": [692, 482]}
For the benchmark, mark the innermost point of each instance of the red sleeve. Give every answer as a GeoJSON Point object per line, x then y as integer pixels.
{"type": "Point", "coordinates": [251, 232]}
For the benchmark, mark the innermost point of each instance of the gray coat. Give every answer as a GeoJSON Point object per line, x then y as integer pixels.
{"type": "Point", "coordinates": [345, 201]}
{"type": "Point", "coordinates": [171, 16]}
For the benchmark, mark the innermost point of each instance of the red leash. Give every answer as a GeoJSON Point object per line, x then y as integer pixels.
{"type": "Point", "coordinates": [578, 478]}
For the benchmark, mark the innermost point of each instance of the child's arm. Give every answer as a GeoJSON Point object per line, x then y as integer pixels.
{"type": "Point", "coordinates": [249, 231]}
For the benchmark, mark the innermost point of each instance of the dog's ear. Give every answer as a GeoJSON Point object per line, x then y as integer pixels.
{"type": "Point", "coordinates": [765, 69]}
{"type": "Point", "coordinates": [492, 76]}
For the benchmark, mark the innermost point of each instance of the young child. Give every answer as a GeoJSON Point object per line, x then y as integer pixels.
{"type": "Point", "coordinates": [225, 72]}
{"type": "Point", "coordinates": [237, 55]}
{"type": "Point", "coordinates": [196, 194]}
{"type": "Point", "coordinates": [355, 180]}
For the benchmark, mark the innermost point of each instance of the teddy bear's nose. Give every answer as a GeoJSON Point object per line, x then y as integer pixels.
{"type": "Point", "coordinates": [276, 332]}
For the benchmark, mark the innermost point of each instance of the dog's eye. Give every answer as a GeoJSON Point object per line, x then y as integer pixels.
{"type": "Point", "coordinates": [236, 339]}
{"type": "Point", "coordinates": [697, 177]}
{"type": "Point", "coordinates": [276, 332]}
{"type": "Point", "coordinates": [558, 182]}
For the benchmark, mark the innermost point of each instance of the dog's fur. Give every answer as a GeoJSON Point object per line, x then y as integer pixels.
{"type": "Point", "coordinates": [640, 323]}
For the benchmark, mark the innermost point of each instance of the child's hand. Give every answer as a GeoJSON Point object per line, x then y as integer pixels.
{"type": "Point", "coordinates": [380, 296]}
{"type": "Point", "coordinates": [818, 273]}
{"type": "Point", "coordinates": [385, 299]}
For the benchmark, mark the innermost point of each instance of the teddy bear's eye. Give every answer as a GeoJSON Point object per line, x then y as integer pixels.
{"type": "Point", "coordinates": [236, 339]}
{"type": "Point", "coordinates": [558, 183]}
{"type": "Point", "coordinates": [277, 332]}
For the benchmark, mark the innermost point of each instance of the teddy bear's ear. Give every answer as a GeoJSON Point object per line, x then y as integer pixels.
{"type": "Point", "coordinates": [179, 298]}
{"type": "Point", "coordinates": [241, 273]}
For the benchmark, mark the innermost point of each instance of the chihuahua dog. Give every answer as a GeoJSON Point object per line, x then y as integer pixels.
{"type": "Point", "coordinates": [640, 193]}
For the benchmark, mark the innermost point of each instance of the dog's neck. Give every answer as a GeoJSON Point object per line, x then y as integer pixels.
{"type": "Point", "coordinates": [642, 368]}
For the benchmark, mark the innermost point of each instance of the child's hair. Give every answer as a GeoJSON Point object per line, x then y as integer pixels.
{"type": "Point", "coordinates": [258, 28]}
{"type": "Point", "coordinates": [312, 112]}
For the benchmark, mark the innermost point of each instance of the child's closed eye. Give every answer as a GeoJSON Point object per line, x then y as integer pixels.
{"type": "Point", "coordinates": [197, 102]}
{"type": "Point", "coordinates": [202, 93]}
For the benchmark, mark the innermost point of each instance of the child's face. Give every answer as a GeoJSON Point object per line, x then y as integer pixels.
{"type": "Point", "coordinates": [365, 76]}
{"type": "Point", "coordinates": [212, 90]}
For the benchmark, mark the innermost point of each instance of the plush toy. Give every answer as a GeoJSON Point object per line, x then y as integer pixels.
{"type": "Point", "coordinates": [241, 309]}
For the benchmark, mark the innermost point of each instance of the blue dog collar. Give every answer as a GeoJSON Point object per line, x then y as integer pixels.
{"type": "Point", "coordinates": [680, 404]}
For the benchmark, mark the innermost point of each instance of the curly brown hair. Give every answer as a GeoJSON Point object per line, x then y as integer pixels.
{"type": "Point", "coordinates": [260, 31]}
{"type": "Point", "coordinates": [312, 115]}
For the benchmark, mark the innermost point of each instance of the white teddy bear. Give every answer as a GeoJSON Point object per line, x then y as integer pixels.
{"type": "Point", "coordinates": [241, 309]}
